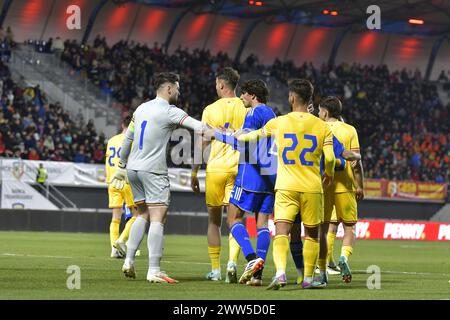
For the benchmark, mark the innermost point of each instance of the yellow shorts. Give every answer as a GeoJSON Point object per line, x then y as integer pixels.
{"type": "Point", "coordinates": [289, 203]}
{"type": "Point", "coordinates": [333, 216]}
{"type": "Point", "coordinates": [218, 188]}
{"type": "Point", "coordinates": [343, 205]}
{"type": "Point", "coordinates": [117, 197]}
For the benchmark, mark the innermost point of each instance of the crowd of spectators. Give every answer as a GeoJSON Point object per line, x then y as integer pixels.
{"type": "Point", "coordinates": [33, 129]}
{"type": "Point", "coordinates": [125, 71]}
{"type": "Point", "coordinates": [402, 124]}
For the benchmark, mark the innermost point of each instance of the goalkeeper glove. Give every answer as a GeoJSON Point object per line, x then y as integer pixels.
{"type": "Point", "coordinates": [119, 178]}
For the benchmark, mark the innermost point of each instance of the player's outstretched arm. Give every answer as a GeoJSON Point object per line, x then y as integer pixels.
{"type": "Point", "coordinates": [230, 140]}
{"type": "Point", "coordinates": [252, 135]}
{"type": "Point", "coordinates": [351, 155]}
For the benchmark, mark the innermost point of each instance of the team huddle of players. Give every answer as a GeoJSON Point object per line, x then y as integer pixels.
{"type": "Point", "coordinates": [300, 167]}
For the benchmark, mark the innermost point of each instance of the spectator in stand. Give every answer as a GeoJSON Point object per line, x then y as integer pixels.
{"type": "Point", "coordinates": [57, 47]}
{"type": "Point", "coordinates": [443, 77]}
{"type": "Point", "coordinates": [10, 37]}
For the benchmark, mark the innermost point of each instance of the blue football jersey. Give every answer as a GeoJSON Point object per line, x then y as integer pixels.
{"type": "Point", "coordinates": [338, 149]}
{"type": "Point", "coordinates": [257, 165]}
{"type": "Point", "coordinates": [127, 212]}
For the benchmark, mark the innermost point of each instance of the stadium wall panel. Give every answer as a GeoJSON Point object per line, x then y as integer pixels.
{"type": "Point", "coordinates": [193, 31]}
{"type": "Point", "coordinates": [269, 41]}
{"type": "Point", "coordinates": [312, 44]}
{"type": "Point", "coordinates": [153, 24]}
{"type": "Point", "coordinates": [408, 52]}
{"type": "Point", "coordinates": [442, 61]}
{"type": "Point", "coordinates": [188, 202]}
{"type": "Point", "coordinates": [226, 35]}
{"type": "Point", "coordinates": [114, 22]}
{"type": "Point", "coordinates": [27, 18]}
{"type": "Point", "coordinates": [363, 47]}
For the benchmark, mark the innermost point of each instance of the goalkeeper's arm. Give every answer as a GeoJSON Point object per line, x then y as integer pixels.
{"type": "Point", "coordinates": [126, 146]}
{"type": "Point", "coordinates": [120, 176]}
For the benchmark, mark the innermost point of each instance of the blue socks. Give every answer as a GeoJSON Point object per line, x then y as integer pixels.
{"type": "Point", "coordinates": [240, 233]}
{"type": "Point", "coordinates": [297, 253]}
{"type": "Point", "coordinates": [262, 243]}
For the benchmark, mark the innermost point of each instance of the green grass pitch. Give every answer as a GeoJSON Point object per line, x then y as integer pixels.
{"type": "Point", "coordinates": [33, 266]}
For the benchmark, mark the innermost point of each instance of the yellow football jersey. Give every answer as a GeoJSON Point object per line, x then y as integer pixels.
{"type": "Point", "coordinates": [225, 112]}
{"type": "Point", "coordinates": [301, 139]}
{"type": "Point", "coordinates": [113, 155]}
{"type": "Point", "coordinates": [347, 135]}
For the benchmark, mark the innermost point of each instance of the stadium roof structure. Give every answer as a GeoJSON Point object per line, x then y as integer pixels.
{"type": "Point", "coordinates": [395, 14]}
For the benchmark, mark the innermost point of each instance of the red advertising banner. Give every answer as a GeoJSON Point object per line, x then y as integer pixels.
{"type": "Point", "coordinates": [382, 229]}
{"type": "Point", "coordinates": [381, 188]}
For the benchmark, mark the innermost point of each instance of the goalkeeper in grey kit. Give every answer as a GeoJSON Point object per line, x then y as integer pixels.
{"type": "Point", "coordinates": [143, 163]}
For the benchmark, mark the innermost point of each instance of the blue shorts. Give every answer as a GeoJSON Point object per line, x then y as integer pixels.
{"type": "Point", "coordinates": [252, 201]}
{"type": "Point", "coordinates": [127, 212]}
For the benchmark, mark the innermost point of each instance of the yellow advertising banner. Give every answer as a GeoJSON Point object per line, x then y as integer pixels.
{"type": "Point", "coordinates": [382, 188]}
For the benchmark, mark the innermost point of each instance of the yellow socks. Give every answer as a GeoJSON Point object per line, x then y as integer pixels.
{"type": "Point", "coordinates": [322, 264]}
{"type": "Point", "coordinates": [280, 252]}
{"type": "Point", "coordinates": [331, 236]}
{"type": "Point", "coordinates": [310, 255]}
{"type": "Point", "coordinates": [234, 249]}
{"type": "Point", "coordinates": [114, 230]}
{"type": "Point", "coordinates": [126, 231]}
{"type": "Point", "coordinates": [214, 256]}
{"type": "Point", "coordinates": [346, 251]}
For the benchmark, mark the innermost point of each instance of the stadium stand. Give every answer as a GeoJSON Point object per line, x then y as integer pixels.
{"type": "Point", "coordinates": [33, 129]}
{"type": "Point", "coordinates": [401, 121]}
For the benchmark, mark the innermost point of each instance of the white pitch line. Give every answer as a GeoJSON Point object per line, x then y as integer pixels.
{"type": "Point", "coordinates": [405, 272]}
{"type": "Point", "coordinates": [34, 256]}
{"type": "Point", "coordinates": [207, 263]}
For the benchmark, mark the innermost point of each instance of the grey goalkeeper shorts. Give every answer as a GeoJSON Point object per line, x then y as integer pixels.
{"type": "Point", "coordinates": [149, 188]}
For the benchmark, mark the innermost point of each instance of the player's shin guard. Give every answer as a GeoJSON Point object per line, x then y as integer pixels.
{"type": "Point", "coordinates": [126, 231]}
{"type": "Point", "coordinates": [137, 232]}
{"type": "Point", "coordinates": [214, 256]}
{"type": "Point", "coordinates": [331, 236]}
{"type": "Point", "coordinates": [234, 249]}
{"type": "Point", "coordinates": [114, 231]}
{"type": "Point", "coordinates": [155, 243]}
{"type": "Point", "coordinates": [310, 255]}
{"type": "Point", "coordinates": [280, 252]}
{"type": "Point", "coordinates": [240, 233]}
